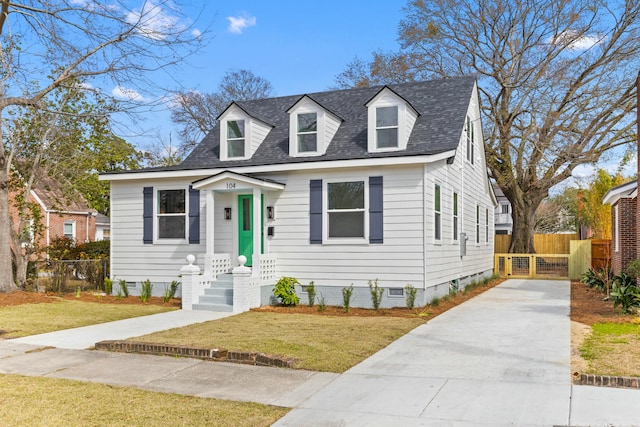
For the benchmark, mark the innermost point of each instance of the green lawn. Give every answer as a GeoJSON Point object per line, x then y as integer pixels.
{"type": "Point", "coordinates": [31, 319]}
{"type": "Point", "coordinates": [613, 349]}
{"type": "Point", "coordinates": [319, 343]}
{"type": "Point", "coordinates": [29, 401]}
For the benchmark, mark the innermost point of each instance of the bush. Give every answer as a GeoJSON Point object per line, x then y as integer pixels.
{"type": "Point", "coordinates": [625, 293]}
{"type": "Point", "coordinates": [410, 296]}
{"type": "Point", "coordinates": [322, 304]}
{"type": "Point", "coordinates": [123, 290]}
{"type": "Point", "coordinates": [145, 291]}
{"type": "Point", "coordinates": [285, 290]}
{"type": "Point", "coordinates": [311, 294]}
{"type": "Point", "coordinates": [347, 294]}
{"type": "Point", "coordinates": [108, 286]}
{"type": "Point", "coordinates": [633, 269]}
{"type": "Point", "coordinates": [170, 292]}
{"type": "Point", "coordinates": [598, 279]}
{"type": "Point", "coordinates": [376, 294]}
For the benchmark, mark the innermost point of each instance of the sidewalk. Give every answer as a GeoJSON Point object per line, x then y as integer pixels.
{"type": "Point", "coordinates": [501, 358]}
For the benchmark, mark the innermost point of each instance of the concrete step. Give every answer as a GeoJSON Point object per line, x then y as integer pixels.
{"type": "Point", "coordinates": [216, 299]}
{"type": "Point", "coordinates": [213, 307]}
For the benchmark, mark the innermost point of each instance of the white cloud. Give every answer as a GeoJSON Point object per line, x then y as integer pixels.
{"type": "Point", "coordinates": [121, 92]}
{"type": "Point", "coordinates": [575, 42]}
{"type": "Point", "coordinates": [239, 23]}
{"type": "Point", "coordinates": [196, 33]}
{"type": "Point", "coordinates": [152, 21]}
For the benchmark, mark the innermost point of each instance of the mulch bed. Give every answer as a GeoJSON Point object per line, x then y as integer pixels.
{"type": "Point", "coordinates": [588, 306]}
{"type": "Point", "coordinates": [22, 297]}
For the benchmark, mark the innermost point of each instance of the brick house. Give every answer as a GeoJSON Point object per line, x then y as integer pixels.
{"type": "Point", "coordinates": [62, 216]}
{"type": "Point", "coordinates": [624, 216]}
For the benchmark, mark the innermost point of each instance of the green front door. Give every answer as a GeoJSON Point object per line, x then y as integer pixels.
{"type": "Point", "coordinates": [245, 227]}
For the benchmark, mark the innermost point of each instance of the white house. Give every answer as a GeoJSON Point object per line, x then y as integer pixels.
{"type": "Point", "coordinates": [337, 187]}
{"type": "Point", "coordinates": [503, 219]}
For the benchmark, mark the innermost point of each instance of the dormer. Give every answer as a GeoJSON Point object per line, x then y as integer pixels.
{"type": "Point", "coordinates": [240, 133]}
{"type": "Point", "coordinates": [390, 121]}
{"type": "Point", "coordinates": [311, 128]}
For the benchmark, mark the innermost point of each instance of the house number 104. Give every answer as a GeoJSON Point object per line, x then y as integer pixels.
{"type": "Point", "coordinates": [231, 185]}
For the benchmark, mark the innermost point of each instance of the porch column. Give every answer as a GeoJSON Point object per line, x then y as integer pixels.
{"type": "Point", "coordinates": [257, 227]}
{"type": "Point", "coordinates": [209, 219]}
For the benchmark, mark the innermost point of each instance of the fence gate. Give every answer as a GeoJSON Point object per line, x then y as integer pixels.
{"type": "Point", "coordinates": [532, 266]}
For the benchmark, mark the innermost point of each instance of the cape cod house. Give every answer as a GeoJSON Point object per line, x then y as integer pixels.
{"type": "Point", "coordinates": [337, 187]}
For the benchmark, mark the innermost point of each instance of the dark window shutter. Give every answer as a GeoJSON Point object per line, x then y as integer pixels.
{"type": "Point", "coordinates": [315, 211]}
{"type": "Point", "coordinates": [375, 210]}
{"type": "Point", "coordinates": [147, 215]}
{"type": "Point", "coordinates": [194, 215]}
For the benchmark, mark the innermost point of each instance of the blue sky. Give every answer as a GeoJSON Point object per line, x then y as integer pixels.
{"type": "Point", "coordinates": [298, 46]}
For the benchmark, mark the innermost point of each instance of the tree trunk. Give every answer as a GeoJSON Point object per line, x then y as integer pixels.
{"type": "Point", "coordinates": [7, 283]}
{"type": "Point", "coordinates": [524, 205]}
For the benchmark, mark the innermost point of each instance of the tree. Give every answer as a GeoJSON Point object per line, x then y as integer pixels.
{"type": "Point", "coordinates": [46, 45]}
{"type": "Point", "coordinates": [591, 211]}
{"type": "Point", "coordinates": [556, 80]}
{"type": "Point", "coordinates": [197, 112]}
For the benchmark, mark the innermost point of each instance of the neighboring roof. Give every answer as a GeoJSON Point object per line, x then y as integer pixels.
{"type": "Point", "coordinates": [55, 198]}
{"type": "Point", "coordinates": [102, 219]}
{"type": "Point", "coordinates": [626, 190]}
{"type": "Point", "coordinates": [442, 106]}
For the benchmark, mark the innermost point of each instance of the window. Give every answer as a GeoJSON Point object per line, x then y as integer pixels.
{"type": "Point", "coordinates": [69, 230]}
{"type": "Point", "coordinates": [470, 140]}
{"type": "Point", "coordinates": [477, 224]}
{"type": "Point", "coordinates": [307, 132]}
{"type": "Point", "coordinates": [396, 292]}
{"type": "Point", "coordinates": [486, 226]}
{"type": "Point", "coordinates": [455, 216]}
{"type": "Point", "coordinates": [387, 127]}
{"type": "Point", "coordinates": [346, 209]}
{"type": "Point", "coordinates": [437, 220]}
{"type": "Point", "coordinates": [505, 208]}
{"type": "Point", "coordinates": [171, 214]}
{"type": "Point", "coordinates": [235, 138]}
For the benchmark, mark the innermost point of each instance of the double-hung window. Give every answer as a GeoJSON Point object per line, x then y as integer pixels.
{"type": "Point", "coordinates": [307, 132]}
{"type": "Point", "coordinates": [171, 214]}
{"type": "Point", "coordinates": [470, 140]}
{"type": "Point", "coordinates": [438, 214]}
{"type": "Point", "coordinates": [455, 216]}
{"type": "Point", "coordinates": [477, 224]}
{"type": "Point", "coordinates": [235, 138]}
{"type": "Point", "coordinates": [346, 208]}
{"type": "Point", "coordinates": [69, 230]}
{"type": "Point", "coordinates": [486, 226]}
{"type": "Point", "coordinates": [387, 127]}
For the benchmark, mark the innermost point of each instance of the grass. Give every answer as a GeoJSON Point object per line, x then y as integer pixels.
{"type": "Point", "coordinates": [319, 343]}
{"type": "Point", "coordinates": [28, 401]}
{"type": "Point", "coordinates": [31, 319]}
{"type": "Point", "coordinates": [613, 349]}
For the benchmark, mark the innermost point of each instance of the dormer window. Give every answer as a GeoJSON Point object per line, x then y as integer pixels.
{"type": "Point", "coordinates": [311, 128]}
{"type": "Point", "coordinates": [307, 132]}
{"type": "Point", "coordinates": [390, 121]}
{"type": "Point", "coordinates": [387, 127]}
{"type": "Point", "coordinates": [235, 138]}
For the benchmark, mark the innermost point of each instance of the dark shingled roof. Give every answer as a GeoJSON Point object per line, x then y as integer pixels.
{"type": "Point", "coordinates": [442, 106]}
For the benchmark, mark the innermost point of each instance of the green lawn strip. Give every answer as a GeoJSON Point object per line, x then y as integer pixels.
{"type": "Point", "coordinates": [29, 401]}
{"type": "Point", "coordinates": [613, 349]}
{"type": "Point", "coordinates": [31, 319]}
{"type": "Point", "coordinates": [319, 343]}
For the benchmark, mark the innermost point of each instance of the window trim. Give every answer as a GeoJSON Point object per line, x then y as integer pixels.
{"type": "Point", "coordinates": [229, 140]}
{"type": "Point", "coordinates": [437, 213]}
{"type": "Point", "coordinates": [72, 223]}
{"type": "Point", "coordinates": [470, 134]}
{"type": "Point", "coordinates": [477, 224]}
{"type": "Point", "coordinates": [377, 128]}
{"type": "Point", "coordinates": [455, 217]}
{"type": "Point", "coordinates": [156, 215]}
{"type": "Point", "coordinates": [325, 213]}
{"type": "Point", "coordinates": [299, 133]}
{"type": "Point", "coordinates": [486, 226]}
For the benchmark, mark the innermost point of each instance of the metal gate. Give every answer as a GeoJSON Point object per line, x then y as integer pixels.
{"type": "Point", "coordinates": [532, 266]}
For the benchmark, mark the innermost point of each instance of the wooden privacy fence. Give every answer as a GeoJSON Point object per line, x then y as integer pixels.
{"type": "Point", "coordinates": [570, 259]}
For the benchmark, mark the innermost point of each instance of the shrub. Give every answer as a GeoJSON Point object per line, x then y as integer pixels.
{"type": "Point", "coordinates": [625, 293]}
{"type": "Point", "coordinates": [145, 291]}
{"type": "Point", "coordinates": [285, 290]}
{"type": "Point", "coordinates": [376, 294]}
{"type": "Point", "coordinates": [347, 294]}
{"type": "Point", "coordinates": [322, 304]}
{"type": "Point", "coordinates": [598, 279]}
{"type": "Point", "coordinates": [410, 296]}
{"type": "Point", "coordinates": [311, 294]}
{"type": "Point", "coordinates": [108, 286]}
{"type": "Point", "coordinates": [633, 269]}
{"type": "Point", "coordinates": [123, 290]}
{"type": "Point", "coordinates": [170, 292]}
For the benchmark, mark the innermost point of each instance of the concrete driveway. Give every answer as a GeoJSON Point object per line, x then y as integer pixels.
{"type": "Point", "coordinates": [502, 358]}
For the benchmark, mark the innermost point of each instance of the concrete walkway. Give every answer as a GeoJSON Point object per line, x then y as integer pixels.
{"type": "Point", "coordinates": [499, 359]}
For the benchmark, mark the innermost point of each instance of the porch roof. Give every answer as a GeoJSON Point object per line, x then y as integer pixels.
{"type": "Point", "coordinates": [220, 181]}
